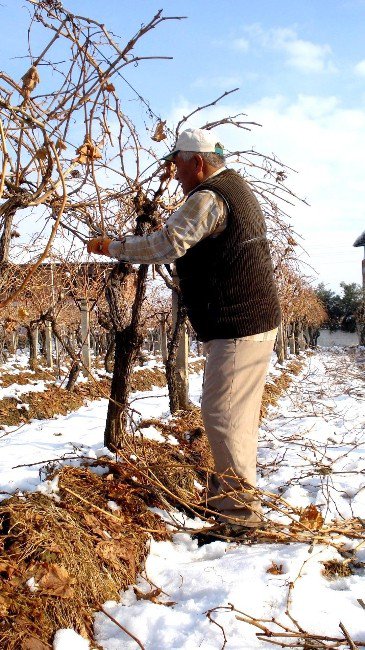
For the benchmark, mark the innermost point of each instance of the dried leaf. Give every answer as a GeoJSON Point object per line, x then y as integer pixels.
{"type": "Point", "coordinates": [152, 596]}
{"type": "Point", "coordinates": [112, 552]}
{"type": "Point", "coordinates": [5, 604]}
{"type": "Point", "coordinates": [56, 581]}
{"type": "Point", "coordinates": [108, 86]}
{"type": "Point", "coordinates": [311, 517]}
{"type": "Point", "coordinates": [31, 643]}
{"type": "Point", "coordinates": [94, 524]}
{"type": "Point", "coordinates": [23, 313]}
{"type": "Point", "coordinates": [60, 145]}
{"type": "Point", "coordinates": [41, 154]}
{"type": "Point", "coordinates": [159, 133]}
{"type": "Point", "coordinates": [107, 551]}
{"type": "Point", "coordinates": [87, 152]}
{"type": "Point", "coordinates": [30, 80]}
{"type": "Point", "coordinates": [275, 569]}
{"type": "Point", "coordinates": [280, 177]}
{"type": "Point", "coordinates": [7, 569]}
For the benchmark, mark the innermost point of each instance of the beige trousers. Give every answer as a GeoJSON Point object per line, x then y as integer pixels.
{"type": "Point", "coordinates": [234, 380]}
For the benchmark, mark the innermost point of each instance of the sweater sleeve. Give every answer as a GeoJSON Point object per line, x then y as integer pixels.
{"type": "Point", "coordinates": [199, 217]}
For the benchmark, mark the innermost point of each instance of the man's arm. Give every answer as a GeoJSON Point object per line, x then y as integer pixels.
{"type": "Point", "coordinates": [198, 218]}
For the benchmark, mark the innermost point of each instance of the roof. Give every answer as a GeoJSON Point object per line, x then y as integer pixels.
{"type": "Point", "coordinates": [360, 241]}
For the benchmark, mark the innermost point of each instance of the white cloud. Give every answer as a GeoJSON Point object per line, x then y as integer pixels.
{"type": "Point", "coordinates": [241, 44]}
{"type": "Point", "coordinates": [360, 68]}
{"type": "Point", "coordinates": [219, 82]}
{"type": "Point", "coordinates": [302, 55]}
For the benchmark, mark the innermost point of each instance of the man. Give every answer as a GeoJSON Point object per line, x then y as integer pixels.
{"type": "Point", "coordinates": [218, 242]}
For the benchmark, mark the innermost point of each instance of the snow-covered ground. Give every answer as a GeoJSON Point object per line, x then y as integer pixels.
{"type": "Point", "coordinates": [312, 451]}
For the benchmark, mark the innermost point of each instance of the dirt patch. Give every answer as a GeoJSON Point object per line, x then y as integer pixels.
{"type": "Point", "coordinates": [147, 378]}
{"type": "Point", "coordinates": [55, 400]}
{"type": "Point", "coordinates": [25, 377]}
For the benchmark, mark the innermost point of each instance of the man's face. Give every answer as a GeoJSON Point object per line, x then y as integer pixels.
{"type": "Point", "coordinates": [187, 172]}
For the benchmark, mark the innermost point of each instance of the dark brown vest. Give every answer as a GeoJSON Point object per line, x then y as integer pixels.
{"type": "Point", "coordinates": [227, 281]}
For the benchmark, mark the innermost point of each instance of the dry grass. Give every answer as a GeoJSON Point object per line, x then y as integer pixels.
{"type": "Point", "coordinates": [77, 550]}
{"type": "Point", "coordinates": [274, 390]}
{"type": "Point", "coordinates": [334, 569]}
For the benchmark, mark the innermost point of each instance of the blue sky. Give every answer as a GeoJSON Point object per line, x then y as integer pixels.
{"type": "Point", "coordinates": [300, 67]}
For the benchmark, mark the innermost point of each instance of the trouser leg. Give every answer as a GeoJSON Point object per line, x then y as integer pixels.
{"type": "Point", "coordinates": [234, 381]}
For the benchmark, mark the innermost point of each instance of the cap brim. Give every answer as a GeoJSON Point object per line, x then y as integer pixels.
{"type": "Point", "coordinates": [170, 156]}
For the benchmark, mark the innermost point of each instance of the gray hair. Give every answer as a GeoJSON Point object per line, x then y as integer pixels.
{"type": "Point", "coordinates": [213, 159]}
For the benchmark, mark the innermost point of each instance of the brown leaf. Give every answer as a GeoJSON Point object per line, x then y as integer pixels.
{"type": "Point", "coordinates": [23, 313]}
{"type": "Point", "coordinates": [54, 548]}
{"type": "Point", "coordinates": [41, 154]}
{"type": "Point", "coordinates": [7, 569]}
{"type": "Point", "coordinates": [112, 552]}
{"type": "Point", "coordinates": [61, 145]}
{"type": "Point", "coordinates": [108, 552]}
{"type": "Point", "coordinates": [159, 133]}
{"type": "Point", "coordinates": [152, 596]}
{"type": "Point", "coordinates": [311, 517]}
{"type": "Point", "coordinates": [30, 80]}
{"type": "Point", "coordinates": [5, 604]}
{"type": "Point", "coordinates": [31, 643]}
{"type": "Point", "coordinates": [108, 86]}
{"type": "Point", "coordinates": [95, 525]}
{"type": "Point", "coordinates": [56, 581]}
{"type": "Point", "coordinates": [275, 569]}
{"type": "Point", "coordinates": [87, 152]}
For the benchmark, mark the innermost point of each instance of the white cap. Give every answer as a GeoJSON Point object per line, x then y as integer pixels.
{"type": "Point", "coordinates": [198, 140]}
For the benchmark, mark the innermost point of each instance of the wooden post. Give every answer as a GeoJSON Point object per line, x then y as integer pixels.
{"type": "Point", "coordinates": [13, 341]}
{"type": "Point", "coordinates": [292, 343]}
{"type": "Point", "coordinates": [49, 355]}
{"type": "Point", "coordinates": [33, 345]}
{"type": "Point", "coordinates": [163, 339]}
{"type": "Point", "coordinates": [280, 344]}
{"type": "Point", "coordinates": [182, 369]}
{"type": "Point", "coordinates": [85, 335]}
{"type": "Point", "coordinates": [34, 335]}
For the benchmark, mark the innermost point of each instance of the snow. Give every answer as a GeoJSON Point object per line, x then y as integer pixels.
{"type": "Point", "coordinates": [311, 451]}
{"type": "Point", "coordinates": [67, 639]}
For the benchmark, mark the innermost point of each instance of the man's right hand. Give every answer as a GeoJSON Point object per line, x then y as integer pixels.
{"type": "Point", "coordinates": [99, 246]}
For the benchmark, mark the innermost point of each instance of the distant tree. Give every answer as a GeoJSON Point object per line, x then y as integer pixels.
{"type": "Point", "coordinates": [331, 303]}
{"type": "Point", "coordinates": [350, 302]}
{"type": "Point", "coordinates": [341, 309]}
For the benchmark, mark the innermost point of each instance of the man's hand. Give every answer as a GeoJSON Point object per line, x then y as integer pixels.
{"type": "Point", "coordinates": [99, 246]}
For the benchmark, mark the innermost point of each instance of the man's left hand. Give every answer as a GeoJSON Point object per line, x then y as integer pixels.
{"type": "Point", "coordinates": [99, 246]}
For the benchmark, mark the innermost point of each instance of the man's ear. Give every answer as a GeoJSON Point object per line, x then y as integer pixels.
{"type": "Point", "coordinates": [199, 163]}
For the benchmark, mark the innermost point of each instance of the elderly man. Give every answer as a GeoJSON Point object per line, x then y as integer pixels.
{"type": "Point", "coordinates": [218, 242]}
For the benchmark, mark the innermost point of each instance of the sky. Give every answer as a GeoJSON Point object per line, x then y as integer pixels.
{"type": "Point", "coordinates": [300, 69]}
